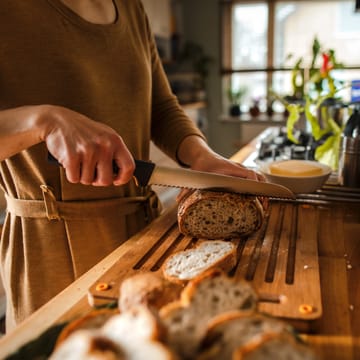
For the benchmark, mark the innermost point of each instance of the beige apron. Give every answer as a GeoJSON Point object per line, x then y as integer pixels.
{"type": "Point", "coordinates": [87, 244]}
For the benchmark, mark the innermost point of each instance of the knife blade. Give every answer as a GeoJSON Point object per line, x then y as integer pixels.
{"type": "Point", "coordinates": [148, 173]}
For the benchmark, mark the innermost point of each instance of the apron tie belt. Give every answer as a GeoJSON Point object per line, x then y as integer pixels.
{"type": "Point", "coordinates": [54, 209]}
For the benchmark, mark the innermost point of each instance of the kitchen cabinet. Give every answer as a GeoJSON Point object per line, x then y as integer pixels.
{"type": "Point", "coordinates": [159, 13]}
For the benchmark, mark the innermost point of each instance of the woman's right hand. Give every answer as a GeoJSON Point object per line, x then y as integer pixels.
{"type": "Point", "coordinates": [85, 148]}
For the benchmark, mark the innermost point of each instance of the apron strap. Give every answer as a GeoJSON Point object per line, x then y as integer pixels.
{"type": "Point", "coordinates": [53, 209]}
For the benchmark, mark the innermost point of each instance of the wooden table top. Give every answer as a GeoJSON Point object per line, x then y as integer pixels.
{"type": "Point", "coordinates": [335, 335]}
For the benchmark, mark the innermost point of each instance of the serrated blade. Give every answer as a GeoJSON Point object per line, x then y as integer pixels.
{"type": "Point", "coordinates": [147, 173]}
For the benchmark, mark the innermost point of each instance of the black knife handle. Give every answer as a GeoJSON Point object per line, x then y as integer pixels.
{"type": "Point", "coordinates": [142, 173]}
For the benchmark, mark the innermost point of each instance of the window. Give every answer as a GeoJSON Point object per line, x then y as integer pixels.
{"type": "Point", "coordinates": [259, 36]}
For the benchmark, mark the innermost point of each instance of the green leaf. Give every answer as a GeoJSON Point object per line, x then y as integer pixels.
{"type": "Point", "coordinates": [328, 152]}
{"type": "Point", "coordinates": [294, 115]}
{"type": "Point", "coordinates": [312, 119]}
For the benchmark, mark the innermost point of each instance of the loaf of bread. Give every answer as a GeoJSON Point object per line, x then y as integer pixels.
{"type": "Point", "coordinates": [147, 288]}
{"type": "Point", "coordinates": [185, 265]}
{"type": "Point", "coordinates": [218, 215]}
{"type": "Point", "coordinates": [204, 297]}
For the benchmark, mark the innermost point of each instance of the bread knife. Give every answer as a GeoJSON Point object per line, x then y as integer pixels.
{"type": "Point", "coordinates": [148, 173]}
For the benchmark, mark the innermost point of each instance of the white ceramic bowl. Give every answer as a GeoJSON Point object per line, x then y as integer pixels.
{"type": "Point", "coordinates": [294, 178]}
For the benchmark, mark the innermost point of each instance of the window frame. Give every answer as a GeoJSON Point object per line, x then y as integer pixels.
{"type": "Point", "coordinates": [226, 40]}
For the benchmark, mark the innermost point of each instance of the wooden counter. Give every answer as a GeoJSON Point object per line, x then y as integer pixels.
{"type": "Point", "coordinates": [335, 335]}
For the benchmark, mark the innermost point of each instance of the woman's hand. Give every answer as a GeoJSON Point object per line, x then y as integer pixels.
{"type": "Point", "coordinates": [86, 148]}
{"type": "Point", "coordinates": [195, 152]}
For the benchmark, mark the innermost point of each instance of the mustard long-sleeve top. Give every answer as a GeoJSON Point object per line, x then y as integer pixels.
{"type": "Point", "coordinates": [111, 73]}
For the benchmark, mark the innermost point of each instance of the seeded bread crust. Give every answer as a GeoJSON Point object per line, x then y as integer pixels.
{"type": "Point", "coordinates": [219, 215]}
{"type": "Point", "coordinates": [185, 265]}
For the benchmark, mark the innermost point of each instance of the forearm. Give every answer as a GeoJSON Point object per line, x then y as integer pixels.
{"type": "Point", "coordinates": [84, 147]}
{"type": "Point", "coordinates": [20, 128]}
{"type": "Point", "coordinates": [195, 152]}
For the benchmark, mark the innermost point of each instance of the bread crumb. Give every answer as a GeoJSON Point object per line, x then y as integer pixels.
{"type": "Point", "coordinates": [349, 266]}
{"type": "Point", "coordinates": [351, 307]}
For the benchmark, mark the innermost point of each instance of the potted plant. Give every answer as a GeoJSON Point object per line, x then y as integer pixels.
{"type": "Point", "coordinates": [235, 96]}
{"type": "Point", "coordinates": [315, 93]}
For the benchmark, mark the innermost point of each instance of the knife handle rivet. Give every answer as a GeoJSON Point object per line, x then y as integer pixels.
{"type": "Point", "coordinates": [102, 287]}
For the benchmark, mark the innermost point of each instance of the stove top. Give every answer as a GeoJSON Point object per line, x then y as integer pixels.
{"type": "Point", "coordinates": [274, 145]}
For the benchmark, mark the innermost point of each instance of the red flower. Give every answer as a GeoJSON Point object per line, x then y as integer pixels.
{"type": "Point", "coordinates": [326, 65]}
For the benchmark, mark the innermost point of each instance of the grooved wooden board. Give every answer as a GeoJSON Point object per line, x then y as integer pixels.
{"type": "Point", "coordinates": [280, 260]}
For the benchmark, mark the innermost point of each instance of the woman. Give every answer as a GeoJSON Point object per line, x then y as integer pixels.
{"type": "Point", "coordinates": [82, 80]}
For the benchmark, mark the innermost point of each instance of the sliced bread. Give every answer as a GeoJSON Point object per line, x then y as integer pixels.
{"type": "Point", "coordinates": [273, 346]}
{"type": "Point", "coordinates": [86, 344]}
{"type": "Point", "coordinates": [135, 334]}
{"type": "Point", "coordinates": [204, 297]}
{"type": "Point", "coordinates": [93, 320]}
{"type": "Point", "coordinates": [143, 322]}
{"type": "Point", "coordinates": [219, 215]}
{"type": "Point", "coordinates": [187, 264]}
{"type": "Point", "coordinates": [232, 331]}
{"type": "Point", "coordinates": [140, 333]}
{"type": "Point", "coordinates": [147, 288]}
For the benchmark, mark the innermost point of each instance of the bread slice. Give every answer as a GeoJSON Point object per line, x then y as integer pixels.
{"type": "Point", "coordinates": [273, 346]}
{"type": "Point", "coordinates": [86, 344]}
{"type": "Point", "coordinates": [147, 288]}
{"type": "Point", "coordinates": [219, 215]}
{"type": "Point", "coordinates": [140, 333]}
{"type": "Point", "coordinates": [135, 334]}
{"type": "Point", "coordinates": [95, 319]}
{"type": "Point", "coordinates": [230, 332]}
{"type": "Point", "coordinates": [187, 264]}
{"type": "Point", "coordinates": [204, 297]}
{"type": "Point", "coordinates": [139, 322]}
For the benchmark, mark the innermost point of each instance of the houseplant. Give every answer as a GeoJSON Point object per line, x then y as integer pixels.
{"type": "Point", "coordinates": [314, 97]}
{"type": "Point", "coordinates": [235, 96]}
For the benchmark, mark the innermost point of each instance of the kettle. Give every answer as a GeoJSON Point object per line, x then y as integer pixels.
{"type": "Point", "coordinates": [349, 157]}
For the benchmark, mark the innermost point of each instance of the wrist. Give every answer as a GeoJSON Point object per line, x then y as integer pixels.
{"type": "Point", "coordinates": [193, 149]}
{"type": "Point", "coordinates": [42, 116]}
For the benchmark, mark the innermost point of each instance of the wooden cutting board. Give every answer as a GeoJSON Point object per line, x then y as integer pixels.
{"type": "Point", "coordinates": [280, 261]}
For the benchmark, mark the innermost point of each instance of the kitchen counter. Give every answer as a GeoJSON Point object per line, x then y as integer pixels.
{"type": "Point", "coordinates": [335, 335]}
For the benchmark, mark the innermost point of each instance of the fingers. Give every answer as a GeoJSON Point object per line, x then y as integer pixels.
{"type": "Point", "coordinates": [236, 169]}
{"type": "Point", "coordinates": [126, 167]}
{"type": "Point", "coordinates": [102, 173]}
